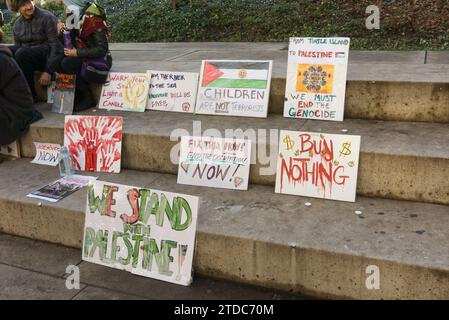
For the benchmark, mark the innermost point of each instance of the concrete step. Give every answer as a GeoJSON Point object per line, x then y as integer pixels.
{"type": "Point", "coordinates": [266, 239]}
{"type": "Point", "coordinates": [399, 160]}
{"type": "Point", "coordinates": [382, 85]}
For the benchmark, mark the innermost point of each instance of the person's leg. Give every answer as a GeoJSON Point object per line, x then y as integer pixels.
{"type": "Point", "coordinates": [83, 96]}
{"type": "Point", "coordinates": [31, 60]}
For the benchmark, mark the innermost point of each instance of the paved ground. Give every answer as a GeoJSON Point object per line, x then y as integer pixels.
{"type": "Point", "coordinates": [37, 270]}
{"type": "Point", "coordinates": [410, 66]}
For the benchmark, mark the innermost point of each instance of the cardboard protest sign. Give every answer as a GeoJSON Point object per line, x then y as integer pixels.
{"type": "Point", "coordinates": [234, 88]}
{"type": "Point", "coordinates": [316, 78]}
{"type": "Point", "coordinates": [125, 92]}
{"type": "Point", "coordinates": [144, 231]}
{"type": "Point", "coordinates": [11, 150]}
{"type": "Point", "coordinates": [318, 165]}
{"type": "Point", "coordinates": [47, 154]}
{"type": "Point", "coordinates": [94, 142]}
{"type": "Point", "coordinates": [64, 95]}
{"type": "Point", "coordinates": [214, 162]}
{"type": "Point", "coordinates": [172, 91]}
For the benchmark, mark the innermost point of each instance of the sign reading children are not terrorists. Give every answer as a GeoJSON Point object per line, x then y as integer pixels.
{"type": "Point", "coordinates": [234, 88]}
{"type": "Point", "coordinates": [146, 232]}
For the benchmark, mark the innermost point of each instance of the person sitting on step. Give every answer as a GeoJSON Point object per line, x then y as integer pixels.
{"type": "Point", "coordinates": [89, 59]}
{"type": "Point", "coordinates": [36, 46]}
{"type": "Point", "coordinates": [16, 101]}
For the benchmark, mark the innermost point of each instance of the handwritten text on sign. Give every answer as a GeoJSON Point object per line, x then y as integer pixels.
{"type": "Point", "coordinates": [316, 78]}
{"type": "Point", "coordinates": [214, 162]}
{"type": "Point", "coordinates": [172, 91]}
{"type": "Point", "coordinates": [47, 154]}
{"type": "Point", "coordinates": [318, 165]}
{"type": "Point", "coordinates": [234, 88]}
{"type": "Point", "coordinates": [125, 91]}
{"type": "Point", "coordinates": [146, 232]}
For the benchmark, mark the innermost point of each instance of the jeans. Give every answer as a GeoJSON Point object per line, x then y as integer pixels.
{"type": "Point", "coordinates": [31, 60]}
{"type": "Point", "coordinates": [83, 95]}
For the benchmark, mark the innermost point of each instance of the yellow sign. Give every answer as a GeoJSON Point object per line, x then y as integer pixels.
{"type": "Point", "coordinates": [315, 78]}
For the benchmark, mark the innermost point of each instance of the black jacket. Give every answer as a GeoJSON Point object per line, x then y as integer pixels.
{"type": "Point", "coordinates": [40, 30]}
{"type": "Point", "coordinates": [16, 102]}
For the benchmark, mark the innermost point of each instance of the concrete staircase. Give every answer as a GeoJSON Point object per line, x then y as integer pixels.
{"type": "Point", "coordinates": [399, 104]}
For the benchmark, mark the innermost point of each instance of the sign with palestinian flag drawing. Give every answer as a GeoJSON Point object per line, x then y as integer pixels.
{"type": "Point", "coordinates": [234, 88]}
{"type": "Point", "coordinates": [316, 78]}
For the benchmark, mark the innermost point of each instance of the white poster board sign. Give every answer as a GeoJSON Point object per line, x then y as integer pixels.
{"type": "Point", "coordinates": [234, 88]}
{"type": "Point", "coordinates": [172, 91]}
{"type": "Point", "coordinates": [94, 142]}
{"type": "Point", "coordinates": [47, 154]}
{"type": "Point", "coordinates": [143, 231]}
{"type": "Point", "coordinates": [316, 78]}
{"type": "Point", "coordinates": [318, 165]}
{"type": "Point", "coordinates": [214, 162]}
{"type": "Point", "coordinates": [125, 92]}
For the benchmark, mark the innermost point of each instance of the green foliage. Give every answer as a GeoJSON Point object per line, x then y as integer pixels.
{"type": "Point", "coordinates": [57, 8]}
{"type": "Point", "coordinates": [404, 25]}
{"type": "Point", "coordinates": [271, 20]}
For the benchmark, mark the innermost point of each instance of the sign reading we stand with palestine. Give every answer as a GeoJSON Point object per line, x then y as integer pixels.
{"type": "Point", "coordinates": [234, 88]}
{"type": "Point", "coordinates": [316, 78]}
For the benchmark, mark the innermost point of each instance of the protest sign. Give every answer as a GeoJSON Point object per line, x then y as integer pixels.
{"type": "Point", "coordinates": [51, 92]}
{"type": "Point", "coordinates": [64, 93]}
{"type": "Point", "coordinates": [125, 92]}
{"type": "Point", "coordinates": [172, 91]}
{"type": "Point", "coordinates": [94, 142]}
{"type": "Point", "coordinates": [234, 88]}
{"type": "Point", "coordinates": [316, 78]}
{"type": "Point", "coordinates": [214, 162]}
{"type": "Point", "coordinates": [47, 154]}
{"type": "Point", "coordinates": [318, 165]}
{"type": "Point", "coordinates": [144, 231]}
{"type": "Point", "coordinates": [11, 150]}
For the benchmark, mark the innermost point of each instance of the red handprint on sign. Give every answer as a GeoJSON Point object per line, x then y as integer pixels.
{"type": "Point", "coordinates": [94, 142]}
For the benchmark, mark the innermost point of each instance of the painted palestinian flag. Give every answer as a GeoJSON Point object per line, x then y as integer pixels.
{"type": "Point", "coordinates": [236, 74]}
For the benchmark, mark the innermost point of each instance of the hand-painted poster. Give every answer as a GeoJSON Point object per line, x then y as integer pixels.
{"type": "Point", "coordinates": [64, 94]}
{"type": "Point", "coordinates": [47, 154]}
{"type": "Point", "coordinates": [214, 162]}
{"type": "Point", "coordinates": [11, 150]}
{"type": "Point", "coordinates": [316, 78]}
{"type": "Point", "coordinates": [51, 92]}
{"type": "Point", "coordinates": [172, 91]}
{"type": "Point", "coordinates": [143, 231]}
{"type": "Point", "coordinates": [125, 92]}
{"type": "Point", "coordinates": [318, 165]}
{"type": "Point", "coordinates": [234, 88]}
{"type": "Point", "coordinates": [94, 142]}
